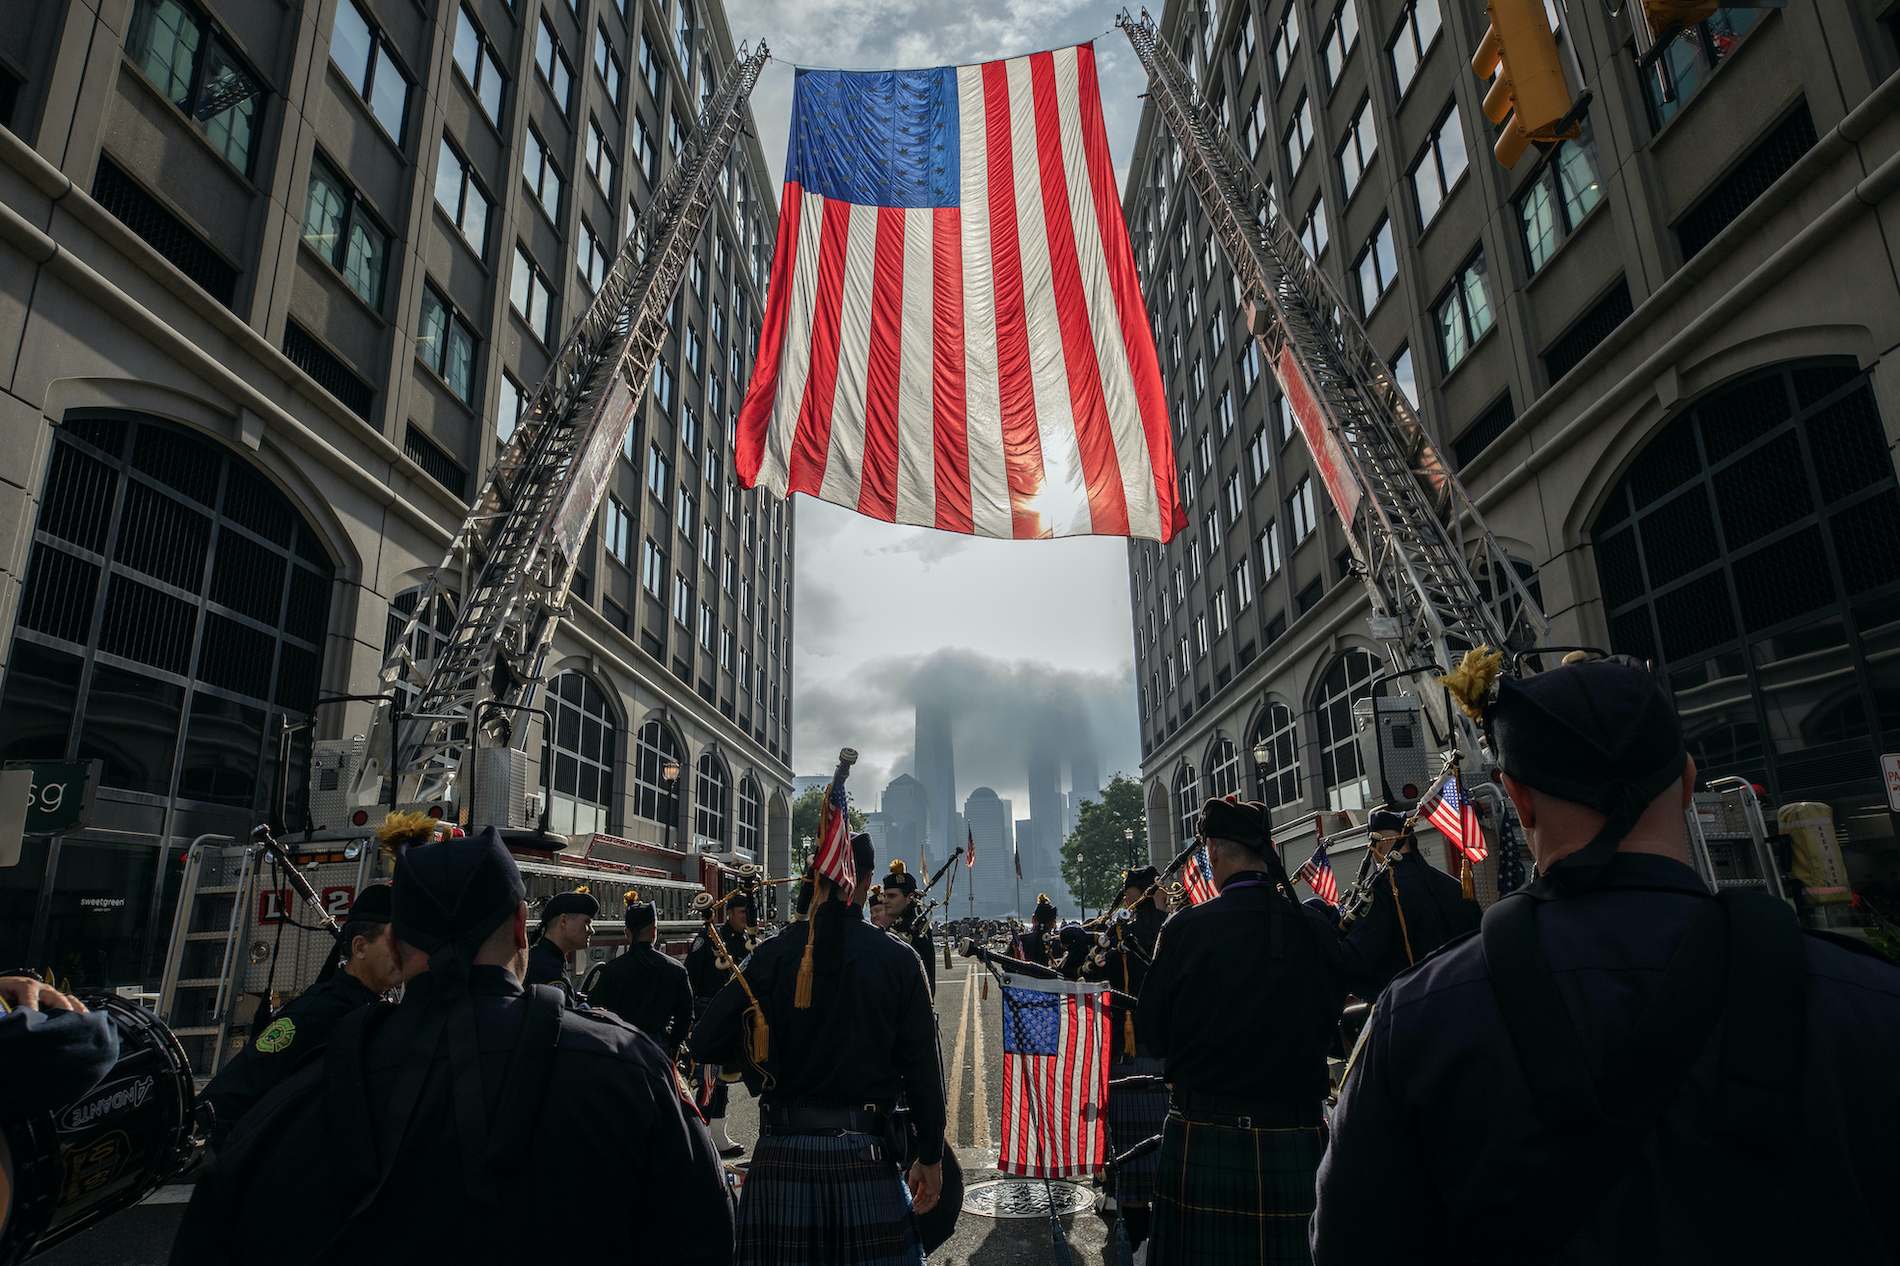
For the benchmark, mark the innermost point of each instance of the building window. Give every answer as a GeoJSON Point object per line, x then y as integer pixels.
{"type": "Point", "coordinates": [1299, 136]}
{"type": "Point", "coordinates": [583, 758]}
{"type": "Point", "coordinates": [475, 58]}
{"type": "Point", "coordinates": [607, 64]}
{"type": "Point", "coordinates": [1223, 769]}
{"type": "Point", "coordinates": [653, 570]}
{"type": "Point", "coordinates": [1243, 46]}
{"type": "Point", "coordinates": [445, 343]}
{"type": "Point", "coordinates": [591, 257]}
{"type": "Point", "coordinates": [655, 798]}
{"type": "Point", "coordinates": [652, 68]}
{"type": "Point", "coordinates": [709, 800]}
{"type": "Point", "coordinates": [1232, 497]}
{"type": "Point", "coordinates": [1418, 29]}
{"type": "Point", "coordinates": [725, 647]}
{"type": "Point", "coordinates": [1243, 585]}
{"type": "Point", "coordinates": [1341, 773]}
{"type": "Point", "coordinates": [1259, 458]}
{"type": "Point", "coordinates": [1361, 147]}
{"type": "Point", "coordinates": [1377, 267]}
{"type": "Point", "coordinates": [1464, 314]}
{"type": "Point", "coordinates": [1691, 56]}
{"type": "Point", "coordinates": [1313, 230]}
{"type": "Point", "coordinates": [531, 296]}
{"type": "Point", "coordinates": [1563, 193]}
{"type": "Point", "coordinates": [199, 73]}
{"type": "Point", "coordinates": [618, 532]}
{"type": "Point", "coordinates": [1248, 365]}
{"type": "Point", "coordinates": [552, 62]}
{"type": "Point", "coordinates": [749, 804]}
{"type": "Point", "coordinates": [1187, 802]}
{"type": "Point", "coordinates": [659, 473]}
{"type": "Point", "coordinates": [1286, 39]}
{"type": "Point", "coordinates": [1270, 548]}
{"type": "Point", "coordinates": [541, 176]}
{"type": "Point", "coordinates": [1300, 509]}
{"type": "Point", "coordinates": [515, 401]}
{"type": "Point", "coordinates": [361, 51]}
{"type": "Point", "coordinates": [1404, 375]}
{"type": "Point", "coordinates": [683, 30]}
{"type": "Point", "coordinates": [707, 622]}
{"type": "Point", "coordinates": [1204, 453]}
{"type": "Point", "coordinates": [462, 199]}
{"type": "Point", "coordinates": [645, 156]}
{"type": "Point", "coordinates": [682, 602]}
{"type": "Point", "coordinates": [1439, 166]}
{"type": "Point", "coordinates": [1279, 774]}
{"type": "Point", "coordinates": [1219, 607]}
{"type": "Point", "coordinates": [1342, 36]}
{"type": "Point", "coordinates": [685, 511]}
{"type": "Point", "coordinates": [600, 158]}
{"type": "Point", "coordinates": [663, 385]}
{"type": "Point", "coordinates": [337, 226]}
{"type": "Point", "coordinates": [1212, 532]}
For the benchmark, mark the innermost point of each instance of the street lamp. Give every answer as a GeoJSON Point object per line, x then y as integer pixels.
{"type": "Point", "coordinates": [1128, 833]}
{"type": "Point", "coordinates": [1262, 753]}
{"type": "Point", "coordinates": [671, 773]}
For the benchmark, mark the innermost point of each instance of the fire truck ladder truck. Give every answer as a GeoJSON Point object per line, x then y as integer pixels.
{"type": "Point", "coordinates": [1440, 584]}
{"type": "Point", "coordinates": [503, 585]}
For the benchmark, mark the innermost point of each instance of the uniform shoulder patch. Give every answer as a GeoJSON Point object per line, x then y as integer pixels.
{"type": "Point", "coordinates": [281, 1033]}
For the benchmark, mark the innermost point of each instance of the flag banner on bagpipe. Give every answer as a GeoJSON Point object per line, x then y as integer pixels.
{"type": "Point", "coordinates": [1055, 1077]}
{"type": "Point", "coordinates": [1197, 877]}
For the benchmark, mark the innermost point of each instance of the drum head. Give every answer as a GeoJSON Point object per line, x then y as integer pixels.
{"type": "Point", "coordinates": [937, 1226]}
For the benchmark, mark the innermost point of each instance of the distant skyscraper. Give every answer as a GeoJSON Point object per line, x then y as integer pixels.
{"type": "Point", "coordinates": [936, 769]}
{"type": "Point", "coordinates": [1046, 809]}
{"type": "Point", "coordinates": [995, 877]}
{"type": "Point", "coordinates": [906, 810]}
{"type": "Point", "coordinates": [1085, 777]}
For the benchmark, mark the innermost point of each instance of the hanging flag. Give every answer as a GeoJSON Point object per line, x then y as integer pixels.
{"type": "Point", "coordinates": [1198, 878]}
{"type": "Point", "coordinates": [923, 866]}
{"type": "Point", "coordinates": [969, 847]}
{"type": "Point", "coordinates": [1055, 1077]}
{"type": "Point", "coordinates": [835, 861]}
{"type": "Point", "coordinates": [1019, 861]}
{"type": "Point", "coordinates": [1318, 875]}
{"type": "Point", "coordinates": [955, 335]}
{"type": "Point", "coordinates": [1457, 819]}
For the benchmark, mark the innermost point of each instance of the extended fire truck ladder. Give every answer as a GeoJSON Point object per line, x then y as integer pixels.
{"type": "Point", "coordinates": [1439, 581]}
{"type": "Point", "coordinates": [503, 586]}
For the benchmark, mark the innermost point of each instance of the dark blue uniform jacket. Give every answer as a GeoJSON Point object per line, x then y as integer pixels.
{"type": "Point", "coordinates": [1436, 1130]}
{"type": "Point", "coordinates": [547, 965]}
{"type": "Point", "coordinates": [1435, 911]}
{"type": "Point", "coordinates": [649, 991]}
{"type": "Point", "coordinates": [275, 1050]}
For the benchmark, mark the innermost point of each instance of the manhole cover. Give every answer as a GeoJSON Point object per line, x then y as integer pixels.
{"type": "Point", "coordinates": [1026, 1198]}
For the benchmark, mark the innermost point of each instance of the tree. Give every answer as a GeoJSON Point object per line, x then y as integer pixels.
{"type": "Point", "coordinates": [807, 813]}
{"type": "Point", "coordinates": [1096, 854]}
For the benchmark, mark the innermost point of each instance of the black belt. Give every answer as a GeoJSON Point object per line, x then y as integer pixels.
{"type": "Point", "coordinates": [1236, 1112]}
{"type": "Point", "coordinates": [800, 1118]}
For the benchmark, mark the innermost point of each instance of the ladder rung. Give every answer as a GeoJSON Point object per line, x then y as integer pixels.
{"type": "Point", "coordinates": [222, 890]}
{"type": "Point", "coordinates": [200, 982]}
{"type": "Point", "coordinates": [202, 1030]}
{"type": "Point", "coordinates": [209, 936]}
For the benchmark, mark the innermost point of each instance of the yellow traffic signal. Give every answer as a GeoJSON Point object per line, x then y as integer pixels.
{"type": "Point", "coordinates": [1682, 14]}
{"type": "Point", "coordinates": [1529, 91]}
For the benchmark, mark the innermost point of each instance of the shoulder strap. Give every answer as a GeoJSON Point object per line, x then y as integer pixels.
{"type": "Point", "coordinates": [525, 1084]}
{"type": "Point", "coordinates": [1765, 1023]}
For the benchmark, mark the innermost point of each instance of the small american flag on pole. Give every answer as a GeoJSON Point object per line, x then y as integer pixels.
{"type": "Point", "coordinates": [1197, 877]}
{"type": "Point", "coordinates": [1318, 875]}
{"type": "Point", "coordinates": [1055, 1077]}
{"type": "Point", "coordinates": [834, 840]}
{"type": "Point", "coordinates": [969, 847]}
{"type": "Point", "coordinates": [1457, 820]}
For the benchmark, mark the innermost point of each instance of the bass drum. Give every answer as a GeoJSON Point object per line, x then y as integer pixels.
{"type": "Point", "coordinates": [105, 1151]}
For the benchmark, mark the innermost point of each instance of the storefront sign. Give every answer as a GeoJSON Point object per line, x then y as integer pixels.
{"type": "Point", "coordinates": [1890, 774]}
{"type": "Point", "coordinates": [61, 800]}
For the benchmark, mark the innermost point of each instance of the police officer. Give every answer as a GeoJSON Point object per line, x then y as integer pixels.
{"type": "Point", "coordinates": [1133, 1115]}
{"type": "Point", "coordinates": [361, 968]}
{"type": "Point", "coordinates": [708, 978]}
{"type": "Point", "coordinates": [1619, 1066]}
{"type": "Point", "coordinates": [446, 1128]}
{"type": "Point", "coordinates": [1029, 944]}
{"type": "Point", "coordinates": [1241, 1002]}
{"type": "Point", "coordinates": [1415, 908]}
{"type": "Point", "coordinates": [908, 920]}
{"type": "Point", "coordinates": [567, 925]}
{"type": "Point", "coordinates": [851, 1032]}
{"type": "Point", "coordinates": [644, 987]}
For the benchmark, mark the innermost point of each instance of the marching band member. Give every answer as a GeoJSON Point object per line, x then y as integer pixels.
{"type": "Point", "coordinates": [567, 925]}
{"type": "Point", "coordinates": [1133, 1115]}
{"type": "Point", "coordinates": [708, 978]}
{"type": "Point", "coordinates": [1029, 944]}
{"type": "Point", "coordinates": [1415, 908]}
{"type": "Point", "coordinates": [900, 898]}
{"type": "Point", "coordinates": [644, 987]}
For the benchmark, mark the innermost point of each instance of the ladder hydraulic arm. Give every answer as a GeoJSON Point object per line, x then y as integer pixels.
{"type": "Point", "coordinates": [503, 585]}
{"type": "Point", "coordinates": [1439, 581]}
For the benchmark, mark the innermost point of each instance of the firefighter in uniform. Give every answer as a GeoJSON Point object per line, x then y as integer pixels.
{"type": "Point", "coordinates": [708, 978]}
{"type": "Point", "coordinates": [443, 1128]}
{"type": "Point", "coordinates": [361, 968]}
{"type": "Point", "coordinates": [1030, 945]}
{"type": "Point", "coordinates": [644, 987]}
{"type": "Point", "coordinates": [1415, 908]}
{"type": "Point", "coordinates": [567, 925]}
{"type": "Point", "coordinates": [1241, 1002]}
{"type": "Point", "coordinates": [852, 1032]}
{"type": "Point", "coordinates": [1620, 1066]}
{"type": "Point", "coordinates": [908, 920]}
{"type": "Point", "coordinates": [1133, 1115]}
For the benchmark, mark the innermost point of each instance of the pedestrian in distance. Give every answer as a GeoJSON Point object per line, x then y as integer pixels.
{"type": "Point", "coordinates": [1620, 1066]}
{"type": "Point", "coordinates": [567, 927]}
{"type": "Point", "coordinates": [644, 987]}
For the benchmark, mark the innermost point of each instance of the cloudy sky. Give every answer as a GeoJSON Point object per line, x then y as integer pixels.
{"type": "Point", "coordinates": [1020, 638]}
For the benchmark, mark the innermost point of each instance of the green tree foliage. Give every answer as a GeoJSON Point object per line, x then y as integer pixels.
{"type": "Point", "coordinates": [807, 812]}
{"type": "Point", "coordinates": [1096, 854]}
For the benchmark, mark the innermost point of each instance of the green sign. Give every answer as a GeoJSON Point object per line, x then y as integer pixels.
{"type": "Point", "coordinates": [62, 794]}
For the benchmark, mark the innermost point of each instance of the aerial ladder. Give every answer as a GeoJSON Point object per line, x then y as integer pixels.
{"type": "Point", "coordinates": [1438, 580]}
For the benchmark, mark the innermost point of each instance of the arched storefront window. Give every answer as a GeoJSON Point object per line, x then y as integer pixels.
{"type": "Point", "coordinates": [1187, 802]}
{"type": "Point", "coordinates": [585, 742]}
{"type": "Point", "coordinates": [1750, 555]}
{"type": "Point", "coordinates": [1274, 735]}
{"type": "Point", "coordinates": [749, 810]}
{"type": "Point", "coordinates": [654, 798]}
{"type": "Point", "coordinates": [709, 800]}
{"type": "Point", "coordinates": [1341, 771]}
{"type": "Point", "coordinates": [1223, 764]}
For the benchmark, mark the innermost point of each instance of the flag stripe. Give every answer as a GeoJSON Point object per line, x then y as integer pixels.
{"type": "Point", "coordinates": [800, 294]}
{"type": "Point", "coordinates": [914, 494]}
{"type": "Point", "coordinates": [1016, 388]}
{"type": "Point", "coordinates": [877, 494]}
{"type": "Point", "coordinates": [813, 441]}
{"type": "Point", "coordinates": [950, 449]}
{"type": "Point", "coordinates": [844, 464]}
{"type": "Point", "coordinates": [749, 446]}
{"type": "Point", "coordinates": [989, 475]}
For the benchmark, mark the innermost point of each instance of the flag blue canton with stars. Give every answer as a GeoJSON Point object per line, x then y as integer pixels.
{"type": "Point", "coordinates": [1034, 1019]}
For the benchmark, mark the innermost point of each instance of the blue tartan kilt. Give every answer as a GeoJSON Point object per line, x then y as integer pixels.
{"type": "Point", "coordinates": [1132, 1117]}
{"type": "Point", "coordinates": [1232, 1197]}
{"type": "Point", "coordinates": [819, 1200]}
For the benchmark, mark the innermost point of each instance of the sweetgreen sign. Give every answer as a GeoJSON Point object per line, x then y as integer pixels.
{"type": "Point", "coordinates": [62, 795]}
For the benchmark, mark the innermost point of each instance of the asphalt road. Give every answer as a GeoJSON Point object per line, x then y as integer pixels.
{"type": "Point", "coordinates": [970, 1029]}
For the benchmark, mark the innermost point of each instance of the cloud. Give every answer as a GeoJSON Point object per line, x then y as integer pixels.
{"type": "Point", "coordinates": [822, 615]}
{"type": "Point", "coordinates": [929, 547]}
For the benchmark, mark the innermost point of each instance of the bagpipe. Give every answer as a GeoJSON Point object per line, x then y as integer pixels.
{"type": "Point", "coordinates": [1377, 862]}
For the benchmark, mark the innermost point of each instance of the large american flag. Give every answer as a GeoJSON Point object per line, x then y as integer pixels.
{"type": "Point", "coordinates": [1318, 875]}
{"type": "Point", "coordinates": [835, 861]}
{"type": "Point", "coordinates": [1198, 878]}
{"type": "Point", "coordinates": [954, 331]}
{"type": "Point", "coordinates": [1457, 820]}
{"type": "Point", "coordinates": [1055, 1077]}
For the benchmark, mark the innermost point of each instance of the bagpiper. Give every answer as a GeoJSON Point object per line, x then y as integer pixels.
{"type": "Point", "coordinates": [907, 919]}
{"type": "Point", "coordinates": [1414, 908]}
{"type": "Point", "coordinates": [1122, 963]}
{"type": "Point", "coordinates": [644, 987]}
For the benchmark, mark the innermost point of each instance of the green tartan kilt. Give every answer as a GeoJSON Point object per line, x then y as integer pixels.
{"type": "Point", "coordinates": [1233, 1196]}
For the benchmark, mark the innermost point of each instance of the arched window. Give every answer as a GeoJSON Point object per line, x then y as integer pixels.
{"type": "Point", "coordinates": [654, 798]}
{"type": "Point", "coordinates": [1340, 769]}
{"type": "Point", "coordinates": [709, 799]}
{"type": "Point", "coordinates": [585, 741]}
{"type": "Point", "coordinates": [1274, 736]}
{"type": "Point", "coordinates": [1749, 555]}
{"type": "Point", "coordinates": [1223, 768]}
{"type": "Point", "coordinates": [749, 808]}
{"type": "Point", "coordinates": [425, 643]}
{"type": "Point", "coordinates": [1187, 802]}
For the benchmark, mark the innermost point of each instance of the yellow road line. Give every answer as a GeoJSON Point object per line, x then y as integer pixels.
{"type": "Point", "coordinates": [954, 1100]}
{"type": "Point", "coordinates": [982, 1100]}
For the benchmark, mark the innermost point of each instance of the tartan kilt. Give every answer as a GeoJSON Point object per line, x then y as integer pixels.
{"type": "Point", "coordinates": [1132, 1117]}
{"type": "Point", "coordinates": [1231, 1196]}
{"type": "Point", "coordinates": [814, 1200]}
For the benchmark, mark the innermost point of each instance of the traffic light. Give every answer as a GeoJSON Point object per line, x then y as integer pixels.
{"type": "Point", "coordinates": [1529, 95]}
{"type": "Point", "coordinates": [1680, 14]}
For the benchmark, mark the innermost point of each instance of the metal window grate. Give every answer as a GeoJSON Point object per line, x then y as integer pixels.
{"type": "Point", "coordinates": [163, 231]}
{"type": "Point", "coordinates": [148, 625]}
{"type": "Point", "coordinates": [250, 501]}
{"type": "Point", "coordinates": [60, 592]}
{"type": "Point", "coordinates": [435, 461]}
{"type": "Point", "coordinates": [105, 434]}
{"type": "Point", "coordinates": [236, 656]}
{"type": "Point", "coordinates": [1478, 436]}
{"type": "Point", "coordinates": [1765, 164]}
{"type": "Point", "coordinates": [1864, 534]}
{"type": "Point", "coordinates": [330, 373]}
{"type": "Point", "coordinates": [77, 506]}
{"type": "Point", "coordinates": [163, 537]}
{"type": "Point", "coordinates": [248, 578]}
{"type": "Point", "coordinates": [1590, 329]}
